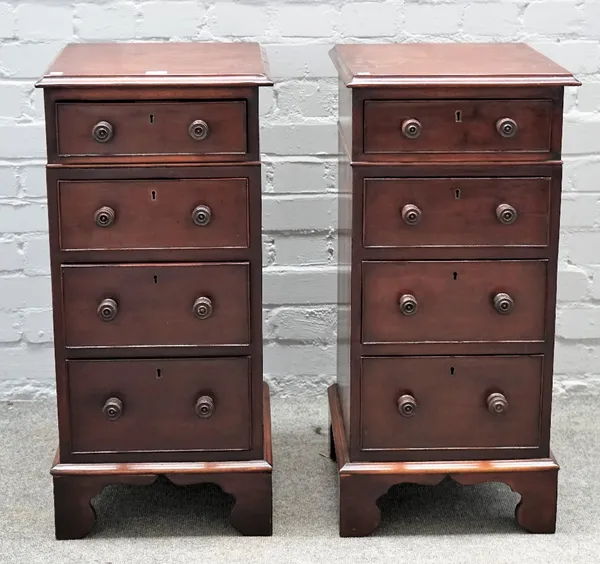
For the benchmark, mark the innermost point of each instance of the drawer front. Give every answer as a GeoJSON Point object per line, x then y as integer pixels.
{"type": "Point", "coordinates": [454, 301]}
{"type": "Point", "coordinates": [457, 126]}
{"type": "Point", "coordinates": [450, 402]}
{"type": "Point", "coordinates": [447, 212]}
{"type": "Point", "coordinates": [156, 305]}
{"type": "Point", "coordinates": [154, 214]}
{"type": "Point", "coordinates": [160, 405]}
{"type": "Point", "coordinates": [151, 128]}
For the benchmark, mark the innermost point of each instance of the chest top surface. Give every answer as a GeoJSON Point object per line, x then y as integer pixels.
{"type": "Point", "coordinates": [202, 64]}
{"type": "Point", "coordinates": [447, 64]}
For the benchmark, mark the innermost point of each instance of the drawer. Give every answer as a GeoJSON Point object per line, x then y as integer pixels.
{"type": "Point", "coordinates": [145, 305]}
{"type": "Point", "coordinates": [132, 129]}
{"type": "Point", "coordinates": [448, 212]}
{"type": "Point", "coordinates": [454, 301]}
{"type": "Point", "coordinates": [160, 405]}
{"type": "Point", "coordinates": [154, 214]}
{"type": "Point", "coordinates": [465, 402]}
{"type": "Point", "coordinates": [457, 126]}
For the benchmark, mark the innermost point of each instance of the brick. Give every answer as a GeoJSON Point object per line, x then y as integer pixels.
{"type": "Point", "coordinates": [491, 19]}
{"type": "Point", "coordinates": [14, 100]}
{"type": "Point", "coordinates": [586, 175]}
{"type": "Point", "coordinates": [299, 360]}
{"type": "Point", "coordinates": [10, 328]}
{"type": "Point", "coordinates": [578, 210]}
{"type": "Point", "coordinates": [8, 180]}
{"type": "Point", "coordinates": [8, 25]}
{"type": "Point", "coordinates": [266, 101]}
{"type": "Point", "coordinates": [27, 60]}
{"type": "Point", "coordinates": [573, 284]}
{"type": "Point", "coordinates": [581, 137]}
{"type": "Point", "coordinates": [37, 257]}
{"type": "Point", "coordinates": [18, 292]}
{"type": "Point", "coordinates": [106, 21]}
{"type": "Point", "coordinates": [44, 21]}
{"type": "Point", "coordinates": [21, 364]}
{"type": "Point", "coordinates": [578, 322]}
{"type": "Point", "coordinates": [169, 19]}
{"type": "Point", "coordinates": [428, 19]}
{"type": "Point", "coordinates": [23, 140]}
{"type": "Point", "coordinates": [580, 57]}
{"type": "Point", "coordinates": [305, 213]}
{"type": "Point", "coordinates": [595, 289]}
{"type": "Point", "coordinates": [23, 218]}
{"type": "Point", "coordinates": [288, 385]}
{"type": "Point", "coordinates": [302, 324]}
{"type": "Point", "coordinates": [300, 139]}
{"type": "Point", "coordinates": [591, 19]}
{"type": "Point", "coordinates": [304, 250]}
{"type": "Point", "coordinates": [12, 257]}
{"type": "Point", "coordinates": [295, 177]}
{"type": "Point", "coordinates": [588, 97]}
{"type": "Point", "coordinates": [268, 250]}
{"type": "Point", "coordinates": [33, 181]}
{"type": "Point", "coordinates": [37, 327]}
{"type": "Point", "coordinates": [308, 98]}
{"type": "Point", "coordinates": [369, 19]}
{"type": "Point", "coordinates": [305, 20]}
{"type": "Point", "coordinates": [238, 19]}
{"type": "Point", "coordinates": [573, 358]}
{"type": "Point", "coordinates": [548, 18]}
{"type": "Point", "coordinates": [300, 286]}
{"type": "Point", "coordinates": [582, 248]}
{"type": "Point", "coordinates": [300, 61]}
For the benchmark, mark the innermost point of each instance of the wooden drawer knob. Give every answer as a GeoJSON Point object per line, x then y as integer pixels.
{"type": "Point", "coordinates": [198, 130]}
{"type": "Point", "coordinates": [506, 214]}
{"type": "Point", "coordinates": [104, 217]}
{"type": "Point", "coordinates": [113, 409]}
{"type": "Point", "coordinates": [411, 128]}
{"type": "Point", "coordinates": [108, 309]}
{"type": "Point", "coordinates": [497, 403]}
{"type": "Point", "coordinates": [102, 132]}
{"type": "Point", "coordinates": [203, 307]}
{"type": "Point", "coordinates": [408, 304]}
{"type": "Point", "coordinates": [407, 405]}
{"type": "Point", "coordinates": [507, 127]}
{"type": "Point", "coordinates": [201, 215]}
{"type": "Point", "coordinates": [411, 214]}
{"type": "Point", "coordinates": [205, 407]}
{"type": "Point", "coordinates": [503, 303]}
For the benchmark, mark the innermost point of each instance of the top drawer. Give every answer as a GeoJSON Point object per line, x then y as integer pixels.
{"type": "Point", "coordinates": [469, 127]}
{"type": "Point", "coordinates": [105, 131]}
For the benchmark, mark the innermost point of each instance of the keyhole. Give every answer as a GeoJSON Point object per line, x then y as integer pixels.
{"type": "Point", "coordinates": [457, 194]}
{"type": "Point", "coordinates": [153, 195]}
{"type": "Point", "coordinates": [452, 371]}
{"type": "Point", "coordinates": [156, 279]}
{"type": "Point", "coordinates": [458, 116]}
{"type": "Point", "coordinates": [158, 373]}
{"type": "Point", "coordinates": [454, 274]}
{"type": "Point", "coordinates": [151, 118]}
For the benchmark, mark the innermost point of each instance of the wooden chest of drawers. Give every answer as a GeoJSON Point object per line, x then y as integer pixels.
{"type": "Point", "coordinates": [154, 197]}
{"type": "Point", "coordinates": [449, 206]}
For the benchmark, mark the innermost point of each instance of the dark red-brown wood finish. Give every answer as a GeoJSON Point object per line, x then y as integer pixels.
{"type": "Point", "coordinates": [154, 201]}
{"type": "Point", "coordinates": [449, 209]}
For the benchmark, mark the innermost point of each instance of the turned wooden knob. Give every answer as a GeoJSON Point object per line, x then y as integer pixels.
{"type": "Point", "coordinates": [497, 403]}
{"type": "Point", "coordinates": [102, 132]}
{"type": "Point", "coordinates": [506, 214]}
{"type": "Point", "coordinates": [203, 307]}
{"type": "Point", "coordinates": [113, 409]}
{"type": "Point", "coordinates": [411, 128]}
{"type": "Point", "coordinates": [411, 214]}
{"type": "Point", "coordinates": [198, 130]}
{"type": "Point", "coordinates": [205, 406]}
{"type": "Point", "coordinates": [407, 405]}
{"type": "Point", "coordinates": [108, 309]}
{"type": "Point", "coordinates": [104, 217]}
{"type": "Point", "coordinates": [507, 127]}
{"type": "Point", "coordinates": [201, 215]}
{"type": "Point", "coordinates": [408, 304]}
{"type": "Point", "coordinates": [503, 303]}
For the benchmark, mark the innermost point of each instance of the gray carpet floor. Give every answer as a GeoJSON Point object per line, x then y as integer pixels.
{"type": "Point", "coordinates": [163, 523]}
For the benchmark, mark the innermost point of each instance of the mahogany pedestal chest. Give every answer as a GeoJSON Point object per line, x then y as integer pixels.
{"type": "Point", "coordinates": [154, 200]}
{"type": "Point", "coordinates": [449, 206]}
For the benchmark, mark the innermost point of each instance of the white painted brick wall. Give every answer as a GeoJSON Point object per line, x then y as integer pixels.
{"type": "Point", "coordinates": [299, 144]}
